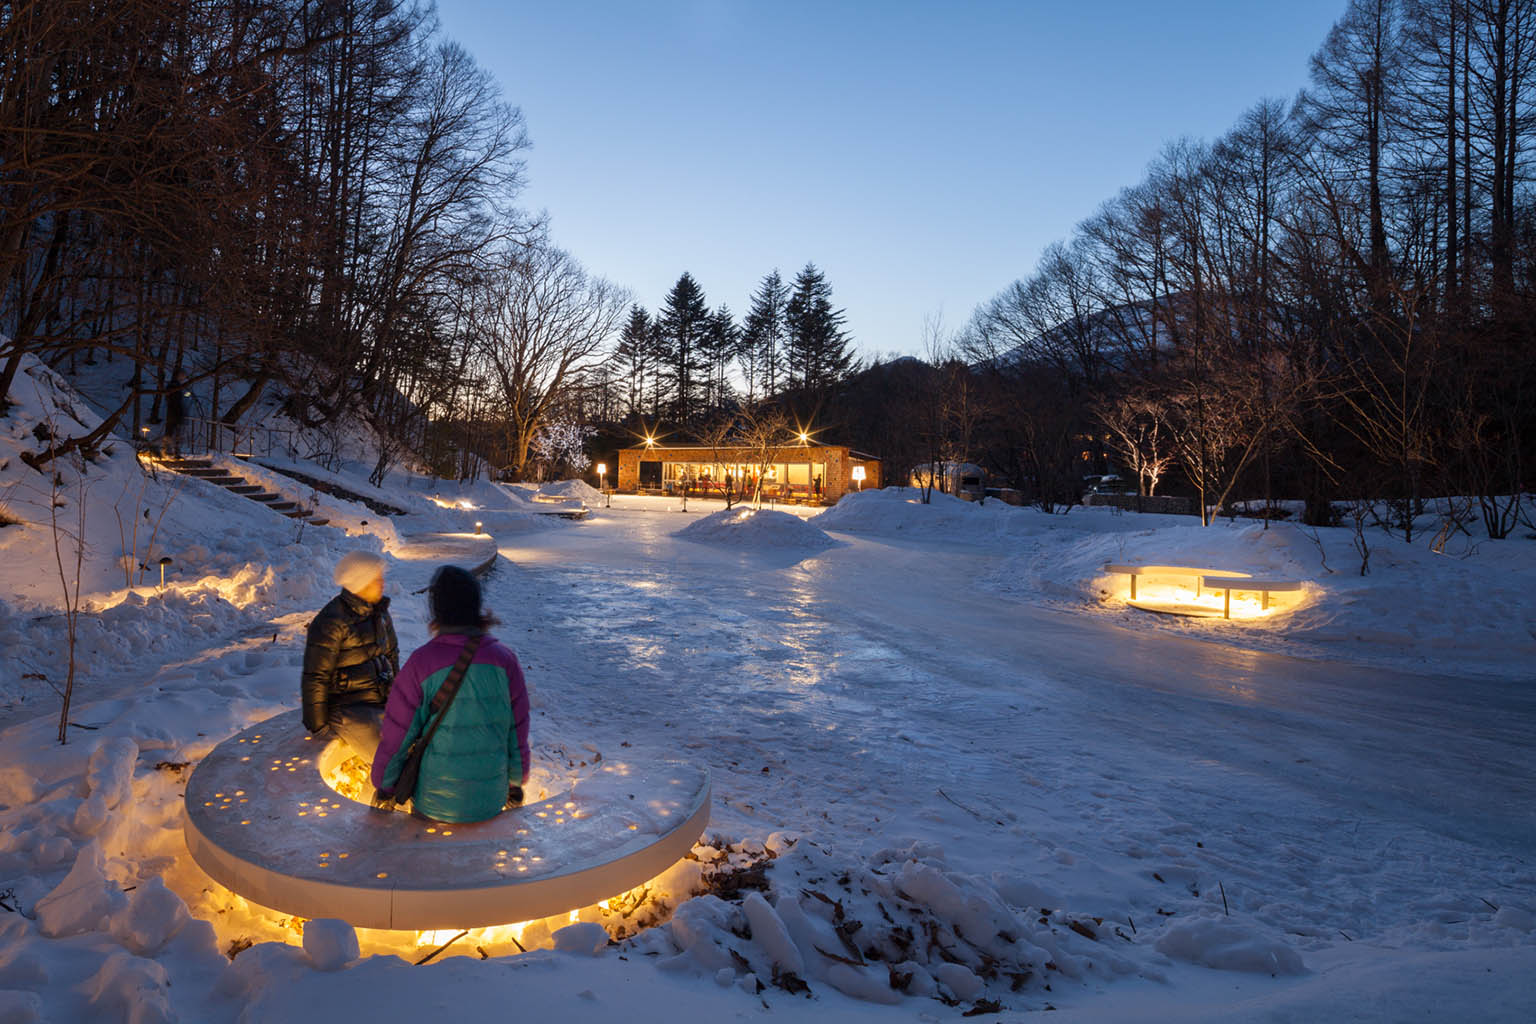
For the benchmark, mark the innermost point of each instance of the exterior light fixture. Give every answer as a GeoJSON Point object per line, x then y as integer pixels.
{"type": "Point", "coordinates": [165, 560]}
{"type": "Point", "coordinates": [602, 471]}
{"type": "Point", "coordinates": [858, 477]}
{"type": "Point", "coordinates": [478, 525]}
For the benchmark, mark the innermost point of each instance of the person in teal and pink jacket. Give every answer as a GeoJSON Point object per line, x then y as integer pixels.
{"type": "Point", "coordinates": [478, 759]}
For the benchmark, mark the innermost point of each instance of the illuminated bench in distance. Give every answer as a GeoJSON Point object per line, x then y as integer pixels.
{"type": "Point", "coordinates": [1248, 586]}
{"type": "Point", "coordinates": [262, 821]}
{"type": "Point", "coordinates": [1135, 571]}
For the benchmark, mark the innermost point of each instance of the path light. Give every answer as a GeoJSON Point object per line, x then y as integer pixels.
{"type": "Point", "coordinates": [165, 560]}
{"type": "Point", "coordinates": [478, 525]}
{"type": "Point", "coordinates": [602, 471]}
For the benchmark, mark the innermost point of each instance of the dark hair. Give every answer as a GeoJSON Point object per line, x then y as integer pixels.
{"type": "Point", "coordinates": [454, 599]}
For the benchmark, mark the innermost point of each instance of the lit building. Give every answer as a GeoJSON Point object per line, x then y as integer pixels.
{"type": "Point", "coordinates": [810, 472]}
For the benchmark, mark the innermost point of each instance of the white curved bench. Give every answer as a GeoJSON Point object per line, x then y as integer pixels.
{"type": "Point", "coordinates": [1133, 571]}
{"type": "Point", "coordinates": [262, 822]}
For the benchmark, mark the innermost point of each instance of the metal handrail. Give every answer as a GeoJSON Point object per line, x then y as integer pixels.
{"type": "Point", "coordinates": [199, 434]}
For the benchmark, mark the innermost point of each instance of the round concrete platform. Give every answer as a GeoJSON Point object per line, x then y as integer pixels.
{"type": "Point", "coordinates": [262, 822]}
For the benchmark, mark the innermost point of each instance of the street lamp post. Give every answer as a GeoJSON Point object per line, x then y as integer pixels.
{"type": "Point", "coordinates": [602, 471]}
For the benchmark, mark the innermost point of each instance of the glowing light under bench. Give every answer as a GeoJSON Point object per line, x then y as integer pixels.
{"type": "Point", "coordinates": [262, 821]}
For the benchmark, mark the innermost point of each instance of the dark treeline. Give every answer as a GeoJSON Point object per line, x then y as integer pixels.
{"type": "Point", "coordinates": [1334, 301]}
{"type": "Point", "coordinates": [312, 193]}
{"type": "Point", "coordinates": [685, 367]}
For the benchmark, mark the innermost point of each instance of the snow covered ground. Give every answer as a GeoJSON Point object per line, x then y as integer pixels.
{"type": "Point", "coordinates": [953, 771]}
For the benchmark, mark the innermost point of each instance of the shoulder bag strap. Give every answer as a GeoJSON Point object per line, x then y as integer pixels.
{"type": "Point", "coordinates": [450, 688]}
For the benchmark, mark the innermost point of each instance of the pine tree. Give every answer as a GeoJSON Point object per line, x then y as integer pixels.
{"type": "Point", "coordinates": [817, 348]}
{"type": "Point", "coordinates": [635, 356]}
{"type": "Point", "coordinates": [762, 338]}
{"type": "Point", "coordinates": [721, 341]}
{"type": "Point", "coordinates": [684, 322]}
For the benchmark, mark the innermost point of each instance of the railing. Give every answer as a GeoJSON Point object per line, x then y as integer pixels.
{"type": "Point", "coordinates": [205, 435]}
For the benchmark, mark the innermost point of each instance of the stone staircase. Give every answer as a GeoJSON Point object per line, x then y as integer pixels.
{"type": "Point", "coordinates": [204, 469]}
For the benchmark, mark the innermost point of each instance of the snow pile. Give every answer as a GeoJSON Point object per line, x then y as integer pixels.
{"type": "Point", "coordinates": [900, 511]}
{"type": "Point", "coordinates": [330, 943]}
{"type": "Point", "coordinates": [757, 529]}
{"type": "Point", "coordinates": [792, 915]}
{"type": "Point", "coordinates": [1227, 945]}
{"type": "Point", "coordinates": [578, 490]}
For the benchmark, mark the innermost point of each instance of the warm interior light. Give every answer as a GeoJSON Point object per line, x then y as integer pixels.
{"type": "Point", "coordinates": [1210, 603]}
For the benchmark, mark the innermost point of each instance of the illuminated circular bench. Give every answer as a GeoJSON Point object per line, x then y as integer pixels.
{"type": "Point", "coordinates": [262, 821]}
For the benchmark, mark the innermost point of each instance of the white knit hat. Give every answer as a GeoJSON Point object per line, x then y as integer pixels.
{"type": "Point", "coordinates": [357, 569]}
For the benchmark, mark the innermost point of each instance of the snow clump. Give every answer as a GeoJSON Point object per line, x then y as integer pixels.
{"type": "Point", "coordinates": [758, 529]}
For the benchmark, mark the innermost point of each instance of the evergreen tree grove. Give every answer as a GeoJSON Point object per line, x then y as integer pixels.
{"type": "Point", "coordinates": [817, 349]}
{"type": "Point", "coordinates": [684, 323]}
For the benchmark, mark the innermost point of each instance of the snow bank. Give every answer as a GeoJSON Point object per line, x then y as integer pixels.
{"type": "Point", "coordinates": [1414, 607]}
{"type": "Point", "coordinates": [576, 489]}
{"type": "Point", "coordinates": [900, 511]}
{"type": "Point", "coordinates": [1228, 945]}
{"type": "Point", "coordinates": [757, 529]}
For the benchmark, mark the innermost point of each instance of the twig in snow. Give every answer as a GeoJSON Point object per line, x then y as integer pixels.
{"type": "Point", "coordinates": [519, 945]}
{"type": "Point", "coordinates": [1494, 906]}
{"type": "Point", "coordinates": [839, 959]}
{"type": "Point", "coordinates": [977, 814]}
{"type": "Point", "coordinates": [1346, 936]}
{"type": "Point", "coordinates": [1224, 908]}
{"type": "Point", "coordinates": [1132, 921]}
{"type": "Point", "coordinates": [433, 955]}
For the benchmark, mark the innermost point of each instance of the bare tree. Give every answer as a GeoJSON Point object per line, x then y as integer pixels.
{"type": "Point", "coordinates": [540, 318]}
{"type": "Point", "coordinates": [1139, 433]}
{"type": "Point", "coordinates": [764, 432]}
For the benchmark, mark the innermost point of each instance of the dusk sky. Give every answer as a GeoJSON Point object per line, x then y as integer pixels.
{"type": "Point", "coordinates": [922, 154]}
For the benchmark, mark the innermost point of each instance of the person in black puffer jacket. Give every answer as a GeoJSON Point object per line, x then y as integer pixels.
{"type": "Point", "coordinates": [351, 657]}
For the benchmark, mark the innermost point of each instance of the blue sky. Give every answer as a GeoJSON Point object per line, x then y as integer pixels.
{"type": "Point", "coordinates": [922, 154]}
